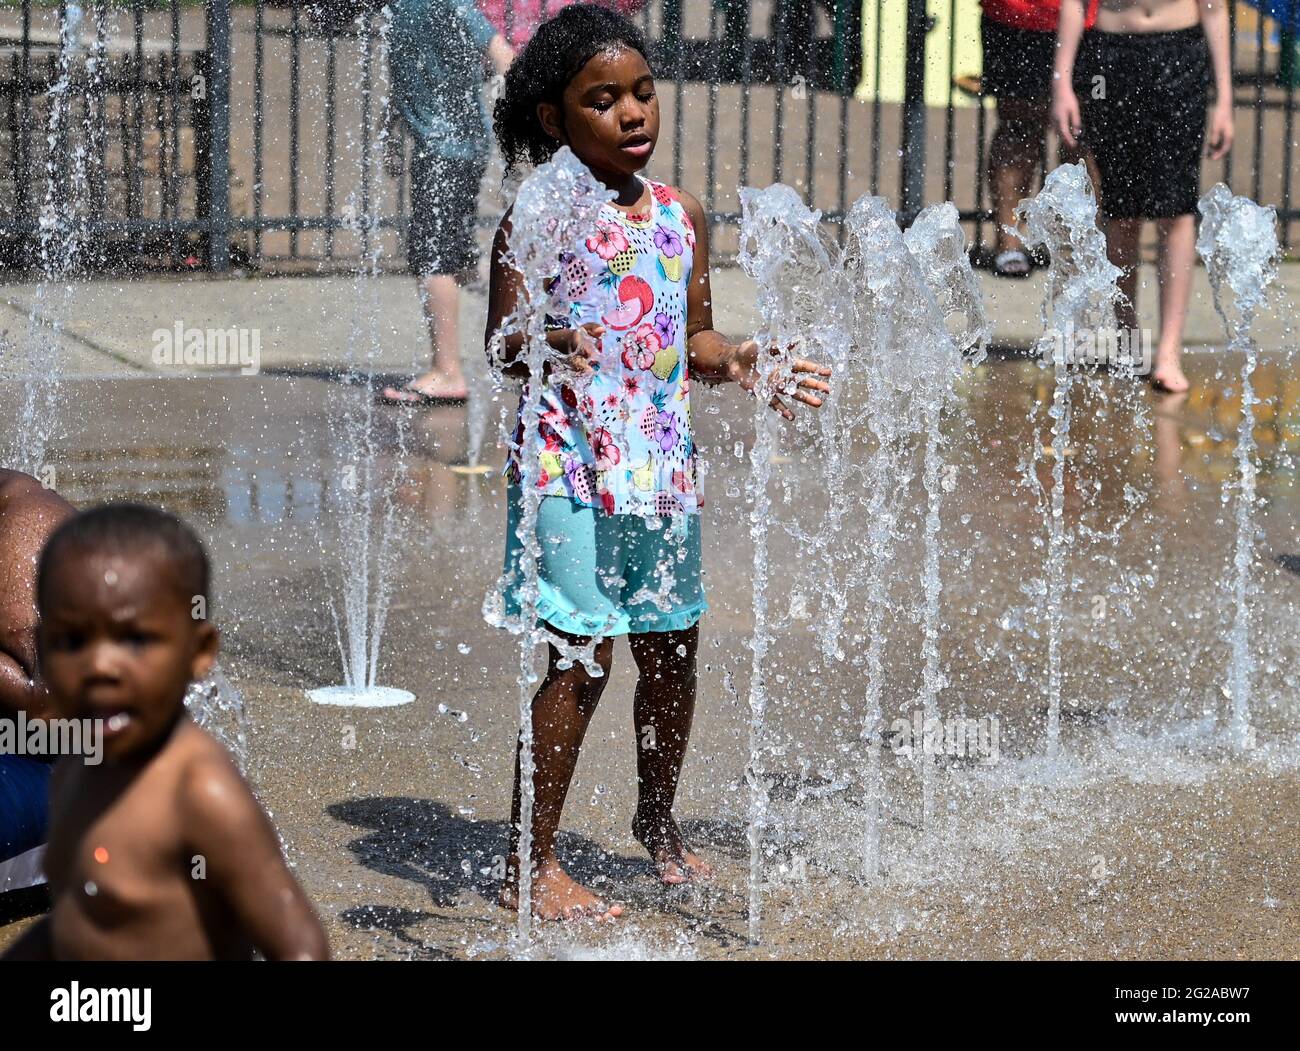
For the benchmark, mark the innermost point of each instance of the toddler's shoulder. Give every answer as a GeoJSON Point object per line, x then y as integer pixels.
{"type": "Point", "coordinates": [208, 781]}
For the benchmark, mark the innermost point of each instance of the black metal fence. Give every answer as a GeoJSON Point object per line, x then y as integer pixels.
{"type": "Point", "coordinates": [210, 133]}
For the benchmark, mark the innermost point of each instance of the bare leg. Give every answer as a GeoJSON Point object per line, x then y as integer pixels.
{"type": "Point", "coordinates": [1177, 244]}
{"type": "Point", "coordinates": [1122, 247]}
{"type": "Point", "coordinates": [1013, 159]}
{"type": "Point", "coordinates": [562, 708]}
{"type": "Point", "coordinates": [662, 712]}
{"type": "Point", "coordinates": [440, 298]}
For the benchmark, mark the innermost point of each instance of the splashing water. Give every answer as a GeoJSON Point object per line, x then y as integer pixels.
{"type": "Point", "coordinates": [938, 248]}
{"type": "Point", "coordinates": [218, 707]}
{"type": "Point", "coordinates": [884, 288]}
{"type": "Point", "coordinates": [1238, 241]}
{"type": "Point", "coordinates": [782, 250]}
{"type": "Point", "coordinates": [918, 314]}
{"type": "Point", "coordinates": [556, 206]}
{"type": "Point", "coordinates": [62, 238]}
{"type": "Point", "coordinates": [364, 548]}
{"type": "Point", "coordinates": [1081, 294]}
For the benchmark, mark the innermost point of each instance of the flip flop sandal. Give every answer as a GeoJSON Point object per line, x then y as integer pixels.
{"type": "Point", "coordinates": [1014, 262]}
{"type": "Point", "coordinates": [419, 399]}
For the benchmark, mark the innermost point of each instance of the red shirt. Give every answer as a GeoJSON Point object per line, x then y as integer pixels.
{"type": "Point", "coordinates": [1038, 15]}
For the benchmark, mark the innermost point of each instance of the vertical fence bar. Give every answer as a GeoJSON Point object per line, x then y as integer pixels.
{"type": "Point", "coordinates": [875, 108]}
{"type": "Point", "coordinates": [295, 71]}
{"type": "Point", "coordinates": [711, 152]}
{"type": "Point", "coordinates": [12, 119]}
{"type": "Point", "coordinates": [160, 126]}
{"type": "Point", "coordinates": [1232, 79]}
{"type": "Point", "coordinates": [811, 74]}
{"type": "Point", "coordinates": [950, 116]}
{"type": "Point", "coordinates": [777, 26]}
{"type": "Point", "coordinates": [98, 148]}
{"type": "Point", "coordinates": [24, 128]}
{"type": "Point", "coordinates": [259, 119]}
{"type": "Point", "coordinates": [981, 135]}
{"type": "Point", "coordinates": [173, 187]}
{"type": "Point", "coordinates": [1258, 145]}
{"type": "Point", "coordinates": [58, 150]}
{"type": "Point", "coordinates": [680, 109]}
{"type": "Point", "coordinates": [746, 79]}
{"type": "Point", "coordinates": [136, 173]}
{"type": "Point", "coordinates": [218, 28]}
{"type": "Point", "coordinates": [331, 129]}
{"type": "Point", "coordinates": [367, 88]}
{"type": "Point", "coordinates": [50, 170]}
{"type": "Point", "coordinates": [912, 175]}
{"type": "Point", "coordinates": [1289, 40]}
{"type": "Point", "coordinates": [842, 66]}
{"type": "Point", "coordinates": [124, 132]}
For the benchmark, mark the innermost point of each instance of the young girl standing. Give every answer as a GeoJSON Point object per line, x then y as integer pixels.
{"type": "Point", "coordinates": [618, 524]}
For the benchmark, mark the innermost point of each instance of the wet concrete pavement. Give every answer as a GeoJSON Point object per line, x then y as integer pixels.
{"type": "Point", "coordinates": [1147, 838]}
{"type": "Point", "coordinates": [307, 323]}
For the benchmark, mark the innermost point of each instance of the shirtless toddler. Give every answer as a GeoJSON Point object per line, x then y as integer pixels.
{"type": "Point", "coordinates": [161, 851]}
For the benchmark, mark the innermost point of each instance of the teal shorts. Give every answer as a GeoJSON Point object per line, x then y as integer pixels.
{"type": "Point", "coordinates": [602, 574]}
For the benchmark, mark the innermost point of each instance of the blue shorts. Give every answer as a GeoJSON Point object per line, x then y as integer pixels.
{"type": "Point", "coordinates": [602, 574]}
{"type": "Point", "coordinates": [24, 804]}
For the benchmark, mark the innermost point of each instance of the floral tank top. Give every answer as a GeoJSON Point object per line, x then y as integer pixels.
{"type": "Point", "coordinates": [622, 442]}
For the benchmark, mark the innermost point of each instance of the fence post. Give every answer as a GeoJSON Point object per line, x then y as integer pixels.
{"type": "Point", "coordinates": [912, 170]}
{"type": "Point", "coordinates": [218, 104]}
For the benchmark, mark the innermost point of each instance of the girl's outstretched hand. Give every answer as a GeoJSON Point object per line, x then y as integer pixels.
{"type": "Point", "coordinates": [743, 369]}
{"type": "Point", "coordinates": [580, 346]}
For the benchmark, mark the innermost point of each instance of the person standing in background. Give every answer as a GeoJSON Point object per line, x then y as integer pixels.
{"type": "Point", "coordinates": [1141, 80]}
{"type": "Point", "coordinates": [436, 54]}
{"type": "Point", "coordinates": [1019, 38]}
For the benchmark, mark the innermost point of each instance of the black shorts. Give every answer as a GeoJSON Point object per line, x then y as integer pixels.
{"type": "Point", "coordinates": [1017, 62]}
{"type": "Point", "coordinates": [442, 238]}
{"type": "Point", "coordinates": [1142, 97]}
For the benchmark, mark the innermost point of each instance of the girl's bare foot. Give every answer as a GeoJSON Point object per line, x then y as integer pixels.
{"type": "Point", "coordinates": [662, 839]}
{"type": "Point", "coordinates": [431, 386]}
{"type": "Point", "coordinates": [556, 895]}
{"type": "Point", "coordinates": [1168, 376]}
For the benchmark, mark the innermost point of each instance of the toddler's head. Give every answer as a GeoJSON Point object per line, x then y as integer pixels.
{"type": "Point", "coordinates": [122, 592]}
{"type": "Point", "coordinates": [582, 81]}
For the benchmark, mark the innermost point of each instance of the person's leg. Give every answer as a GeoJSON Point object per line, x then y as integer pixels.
{"type": "Point", "coordinates": [1014, 155]}
{"type": "Point", "coordinates": [662, 711]}
{"type": "Point", "coordinates": [440, 298]}
{"type": "Point", "coordinates": [562, 709]}
{"type": "Point", "coordinates": [1177, 250]}
{"type": "Point", "coordinates": [442, 248]}
{"type": "Point", "coordinates": [1122, 237]}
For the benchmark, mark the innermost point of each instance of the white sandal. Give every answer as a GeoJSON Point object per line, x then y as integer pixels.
{"type": "Point", "coordinates": [1014, 262]}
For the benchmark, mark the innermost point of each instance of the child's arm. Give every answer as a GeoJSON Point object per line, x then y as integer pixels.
{"type": "Point", "coordinates": [579, 346]}
{"type": "Point", "coordinates": [1065, 106]}
{"type": "Point", "coordinates": [29, 521]}
{"type": "Point", "coordinates": [1214, 20]}
{"type": "Point", "coordinates": [242, 861]}
{"type": "Point", "coordinates": [713, 357]}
